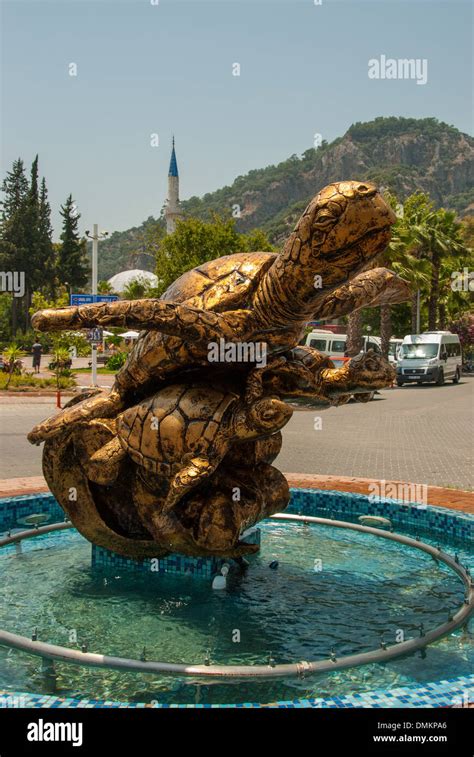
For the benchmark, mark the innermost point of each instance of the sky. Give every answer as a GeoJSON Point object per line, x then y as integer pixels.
{"type": "Point", "coordinates": [164, 67]}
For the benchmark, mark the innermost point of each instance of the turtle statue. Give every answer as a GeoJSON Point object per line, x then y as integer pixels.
{"type": "Point", "coordinates": [158, 457]}
{"type": "Point", "coordinates": [257, 297]}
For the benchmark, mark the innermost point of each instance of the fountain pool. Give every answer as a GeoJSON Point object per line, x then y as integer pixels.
{"type": "Point", "coordinates": [334, 592]}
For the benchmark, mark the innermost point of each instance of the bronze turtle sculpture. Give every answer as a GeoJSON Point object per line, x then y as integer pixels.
{"type": "Point", "coordinates": [256, 297]}
{"type": "Point", "coordinates": [159, 504]}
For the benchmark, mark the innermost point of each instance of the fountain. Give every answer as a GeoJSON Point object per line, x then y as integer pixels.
{"type": "Point", "coordinates": [169, 473]}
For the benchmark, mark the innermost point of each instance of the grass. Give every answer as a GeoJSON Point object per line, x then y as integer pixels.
{"type": "Point", "coordinates": [106, 371]}
{"type": "Point", "coordinates": [28, 381]}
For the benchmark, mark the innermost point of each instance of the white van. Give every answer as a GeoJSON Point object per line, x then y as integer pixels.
{"type": "Point", "coordinates": [335, 344]}
{"type": "Point", "coordinates": [431, 356]}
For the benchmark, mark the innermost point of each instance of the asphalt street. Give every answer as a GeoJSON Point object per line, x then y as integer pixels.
{"type": "Point", "coordinates": [422, 434]}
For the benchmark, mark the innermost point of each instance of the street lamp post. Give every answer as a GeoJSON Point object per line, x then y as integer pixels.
{"type": "Point", "coordinates": [368, 329]}
{"type": "Point", "coordinates": [418, 304]}
{"type": "Point", "coordinates": [95, 236]}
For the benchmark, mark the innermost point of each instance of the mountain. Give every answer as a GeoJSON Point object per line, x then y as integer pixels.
{"type": "Point", "coordinates": [401, 154]}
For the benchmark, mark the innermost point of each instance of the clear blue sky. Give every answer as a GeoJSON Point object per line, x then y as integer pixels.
{"type": "Point", "coordinates": [167, 69]}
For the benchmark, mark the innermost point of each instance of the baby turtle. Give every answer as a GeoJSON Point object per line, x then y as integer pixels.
{"type": "Point", "coordinates": [182, 433]}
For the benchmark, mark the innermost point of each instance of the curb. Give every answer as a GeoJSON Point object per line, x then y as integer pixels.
{"type": "Point", "coordinates": [453, 499]}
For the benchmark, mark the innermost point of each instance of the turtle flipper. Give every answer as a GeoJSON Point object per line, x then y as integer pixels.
{"type": "Point", "coordinates": [104, 465]}
{"type": "Point", "coordinates": [174, 319]}
{"type": "Point", "coordinates": [99, 406]}
{"type": "Point", "coordinates": [193, 474]}
{"type": "Point", "coordinates": [379, 286]}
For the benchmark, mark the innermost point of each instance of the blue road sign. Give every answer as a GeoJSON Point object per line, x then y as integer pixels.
{"type": "Point", "coordinates": [88, 299]}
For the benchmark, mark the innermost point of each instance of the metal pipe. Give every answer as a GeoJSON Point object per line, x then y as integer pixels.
{"type": "Point", "coordinates": [32, 532]}
{"type": "Point", "coordinates": [63, 654]}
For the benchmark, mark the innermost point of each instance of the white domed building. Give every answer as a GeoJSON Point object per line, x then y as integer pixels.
{"type": "Point", "coordinates": [120, 280]}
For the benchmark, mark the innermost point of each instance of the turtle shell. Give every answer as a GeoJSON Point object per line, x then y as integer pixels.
{"type": "Point", "coordinates": [223, 284]}
{"type": "Point", "coordinates": [227, 283]}
{"type": "Point", "coordinates": [178, 423]}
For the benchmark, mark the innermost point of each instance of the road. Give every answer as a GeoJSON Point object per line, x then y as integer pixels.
{"type": "Point", "coordinates": [422, 434]}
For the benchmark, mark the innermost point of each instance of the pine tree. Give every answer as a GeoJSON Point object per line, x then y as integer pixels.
{"type": "Point", "coordinates": [72, 263]}
{"type": "Point", "coordinates": [46, 239]}
{"type": "Point", "coordinates": [15, 187]}
{"type": "Point", "coordinates": [13, 249]}
{"type": "Point", "coordinates": [33, 265]}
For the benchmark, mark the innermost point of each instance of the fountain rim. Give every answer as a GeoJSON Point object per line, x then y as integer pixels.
{"type": "Point", "coordinates": [299, 669]}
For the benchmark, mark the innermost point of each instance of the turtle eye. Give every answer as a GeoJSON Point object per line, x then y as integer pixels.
{"type": "Point", "coordinates": [324, 221]}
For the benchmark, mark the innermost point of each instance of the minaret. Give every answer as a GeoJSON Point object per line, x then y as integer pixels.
{"type": "Point", "coordinates": [172, 211]}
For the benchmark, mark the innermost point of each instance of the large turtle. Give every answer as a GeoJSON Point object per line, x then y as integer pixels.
{"type": "Point", "coordinates": [246, 298]}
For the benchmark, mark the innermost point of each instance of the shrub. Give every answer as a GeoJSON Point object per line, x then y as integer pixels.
{"type": "Point", "coordinates": [116, 361]}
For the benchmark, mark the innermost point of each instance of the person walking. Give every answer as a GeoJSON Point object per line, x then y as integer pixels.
{"type": "Point", "coordinates": [36, 350]}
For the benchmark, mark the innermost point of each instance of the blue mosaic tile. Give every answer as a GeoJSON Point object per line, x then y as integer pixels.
{"type": "Point", "coordinates": [197, 567]}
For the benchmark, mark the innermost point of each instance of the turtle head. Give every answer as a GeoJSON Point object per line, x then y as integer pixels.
{"type": "Point", "coordinates": [349, 227]}
{"type": "Point", "coordinates": [261, 418]}
{"type": "Point", "coordinates": [341, 232]}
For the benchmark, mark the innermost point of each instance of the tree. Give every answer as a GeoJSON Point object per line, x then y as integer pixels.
{"type": "Point", "coordinates": [137, 289]}
{"type": "Point", "coordinates": [72, 263]}
{"type": "Point", "coordinates": [12, 355]}
{"type": "Point", "coordinates": [33, 268]}
{"type": "Point", "coordinates": [467, 232]}
{"type": "Point", "coordinates": [47, 251]}
{"type": "Point", "coordinates": [13, 231]}
{"type": "Point", "coordinates": [195, 242]}
{"type": "Point", "coordinates": [103, 287]}
{"type": "Point", "coordinates": [355, 337]}
{"type": "Point", "coordinates": [441, 241]}
{"type": "Point", "coordinates": [385, 329]}
{"type": "Point", "coordinates": [464, 327]}
{"type": "Point", "coordinates": [15, 187]}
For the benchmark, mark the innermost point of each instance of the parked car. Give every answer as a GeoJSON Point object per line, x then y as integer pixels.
{"type": "Point", "coordinates": [432, 356]}
{"type": "Point", "coordinates": [394, 349]}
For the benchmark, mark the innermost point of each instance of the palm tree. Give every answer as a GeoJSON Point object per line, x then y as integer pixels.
{"type": "Point", "coordinates": [385, 329]}
{"type": "Point", "coordinates": [103, 287]}
{"type": "Point", "coordinates": [12, 355]}
{"type": "Point", "coordinates": [61, 361]}
{"type": "Point", "coordinates": [355, 337]}
{"type": "Point", "coordinates": [136, 289]}
{"type": "Point", "coordinates": [400, 256]}
{"type": "Point", "coordinates": [435, 237]}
